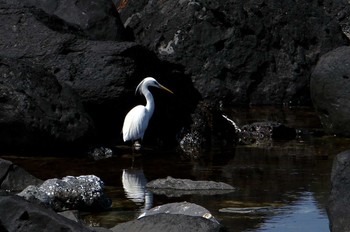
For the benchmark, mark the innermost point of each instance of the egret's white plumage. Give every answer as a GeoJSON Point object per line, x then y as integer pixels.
{"type": "Point", "coordinates": [136, 121]}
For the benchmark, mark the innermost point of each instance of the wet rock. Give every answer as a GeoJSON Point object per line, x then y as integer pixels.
{"type": "Point", "coordinates": [168, 222]}
{"type": "Point", "coordinates": [173, 217]}
{"type": "Point", "coordinates": [237, 51]}
{"type": "Point", "coordinates": [101, 153]}
{"type": "Point", "coordinates": [17, 214]}
{"type": "Point", "coordinates": [329, 86]}
{"type": "Point", "coordinates": [187, 184]}
{"type": "Point", "coordinates": [339, 199]}
{"type": "Point", "coordinates": [172, 187]}
{"type": "Point", "coordinates": [209, 128]}
{"type": "Point", "coordinates": [14, 178]}
{"type": "Point", "coordinates": [184, 208]}
{"type": "Point", "coordinates": [82, 192]}
{"type": "Point", "coordinates": [265, 132]}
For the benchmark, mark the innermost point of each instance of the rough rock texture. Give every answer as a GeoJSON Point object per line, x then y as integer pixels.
{"type": "Point", "coordinates": [82, 192]}
{"type": "Point", "coordinates": [173, 187]}
{"type": "Point", "coordinates": [60, 39]}
{"type": "Point", "coordinates": [184, 208]}
{"type": "Point", "coordinates": [338, 206]}
{"type": "Point", "coordinates": [19, 215]}
{"type": "Point", "coordinates": [208, 128]}
{"type": "Point", "coordinates": [96, 20]}
{"type": "Point", "coordinates": [180, 216]}
{"type": "Point", "coordinates": [240, 52]}
{"type": "Point", "coordinates": [330, 91]}
{"type": "Point", "coordinates": [264, 132]}
{"type": "Point", "coordinates": [169, 223]}
{"type": "Point", "coordinates": [187, 184]}
{"type": "Point", "coordinates": [35, 110]}
{"type": "Point", "coordinates": [14, 178]}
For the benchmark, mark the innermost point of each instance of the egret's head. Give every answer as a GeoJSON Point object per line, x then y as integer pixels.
{"type": "Point", "coordinates": [150, 81]}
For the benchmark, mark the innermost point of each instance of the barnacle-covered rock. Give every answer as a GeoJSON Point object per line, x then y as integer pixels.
{"type": "Point", "coordinates": [82, 192]}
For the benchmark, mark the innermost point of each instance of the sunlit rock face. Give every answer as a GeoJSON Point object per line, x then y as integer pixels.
{"type": "Point", "coordinates": [82, 192]}
{"type": "Point", "coordinates": [330, 84]}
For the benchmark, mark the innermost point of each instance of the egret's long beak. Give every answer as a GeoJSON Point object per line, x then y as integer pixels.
{"type": "Point", "coordinates": [165, 88]}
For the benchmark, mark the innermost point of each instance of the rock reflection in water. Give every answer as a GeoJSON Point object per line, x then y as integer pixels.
{"type": "Point", "coordinates": [134, 184]}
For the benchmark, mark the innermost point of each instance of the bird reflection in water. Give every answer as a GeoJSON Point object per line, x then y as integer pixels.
{"type": "Point", "coordinates": [134, 184]}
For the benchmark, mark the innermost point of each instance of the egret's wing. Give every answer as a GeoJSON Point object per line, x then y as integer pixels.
{"type": "Point", "coordinates": [135, 123]}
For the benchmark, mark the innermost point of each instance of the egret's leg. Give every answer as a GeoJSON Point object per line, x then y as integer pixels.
{"type": "Point", "coordinates": [136, 146]}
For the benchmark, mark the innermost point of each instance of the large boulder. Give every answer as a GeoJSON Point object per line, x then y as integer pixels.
{"type": "Point", "coordinates": [329, 86]}
{"type": "Point", "coordinates": [17, 214]}
{"type": "Point", "coordinates": [338, 206]}
{"type": "Point", "coordinates": [240, 52]}
{"type": "Point", "coordinates": [36, 110]}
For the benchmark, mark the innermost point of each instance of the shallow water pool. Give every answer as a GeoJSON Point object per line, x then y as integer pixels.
{"type": "Point", "coordinates": [280, 185]}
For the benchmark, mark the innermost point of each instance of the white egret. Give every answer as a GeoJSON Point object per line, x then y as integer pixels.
{"type": "Point", "coordinates": [136, 121]}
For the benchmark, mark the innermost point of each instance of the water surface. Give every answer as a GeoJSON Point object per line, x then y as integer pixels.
{"type": "Point", "coordinates": [288, 180]}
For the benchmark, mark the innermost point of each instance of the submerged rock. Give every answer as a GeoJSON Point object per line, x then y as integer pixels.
{"type": "Point", "coordinates": [99, 153]}
{"type": "Point", "coordinates": [82, 192]}
{"type": "Point", "coordinates": [265, 132]}
{"type": "Point", "coordinates": [187, 184]}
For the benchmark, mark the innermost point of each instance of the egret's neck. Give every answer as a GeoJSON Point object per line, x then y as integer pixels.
{"type": "Point", "coordinates": [150, 101]}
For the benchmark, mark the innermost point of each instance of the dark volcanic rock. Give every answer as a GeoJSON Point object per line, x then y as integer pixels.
{"type": "Point", "coordinates": [187, 184]}
{"type": "Point", "coordinates": [15, 178]}
{"type": "Point", "coordinates": [172, 217]}
{"type": "Point", "coordinates": [240, 52]}
{"type": "Point", "coordinates": [96, 20]}
{"type": "Point", "coordinates": [36, 110]}
{"type": "Point", "coordinates": [265, 132]}
{"type": "Point", "coordinates": [169, 223]}
{"type": "Point", "coordinates": [17, 214]}
{"type": "Point", "coordinates": [329, 86]}
{"type": "Point", "coordinates": [208, 128]}
{"type": "Point", "coordinates": [173, 187]}
{"type": "Point", "coordinates": [103, 73]}
{"type": "Point", "coordinates": [338, 206]}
